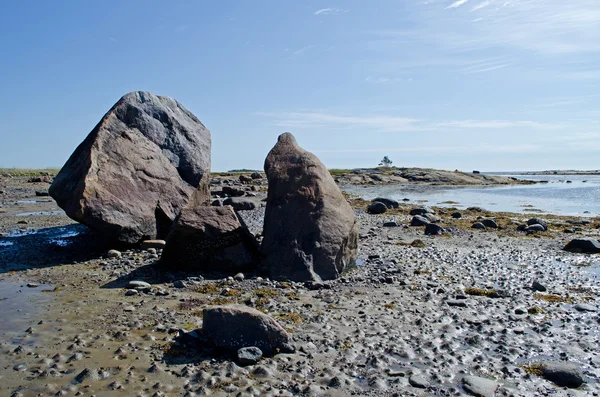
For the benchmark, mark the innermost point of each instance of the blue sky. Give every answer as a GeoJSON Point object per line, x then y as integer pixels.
{"type": "Point", "coordinates": [453, 84]}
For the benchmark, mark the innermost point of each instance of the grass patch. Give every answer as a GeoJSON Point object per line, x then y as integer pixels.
{"type": "Point", "coordinates": [535, 310]}
{"type": "Point", "coordinates": [418, 244]}
{"type": "Point", "coordinates": [207, 289]}
{"type": "Point", "coordinates": [56, 289]}
{"type": "Point", "coordinates": [293, 318]}
{"type": "Point", "coordinates": [490, 293]}
{"type": "Point", "coordinates": [420, 271]}
{"type": "Point", "coordinates": [232, 293]}
{"type": "Point", "coordinates": [533, 369]}
{"type": "Point", "coordinates": [551, 298]}
{"type": "Point", "coordinates": [29, 172]}
{"type": "Point", "coordinates": [266, 292]}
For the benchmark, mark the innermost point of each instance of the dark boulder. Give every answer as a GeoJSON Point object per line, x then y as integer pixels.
{"type": "Point", "coordinates": [310, 230]}
{"type": "Point", "coordinates": [421, 211]}
{"type": "Point", "coordinates": [256, 175]}
{"type": "Point", "coordinates": [137, 169]}
{"type": "Point", "coordinates": [233, 191]}
{"type": "Point", "coordinates": [583, 246]}
{"type": "Point", "coordinates": [209, 239]}
{"type": "Point", "coordinates": [432, 229]}
{"type": "Point", "coordinates": [388, 202]}
{"type": "Point", "coordinates": [478, 225]}
{"type": "Point", "coordinates": [537, 221]}
{"type": "Point", "coordinates": [419, 220]}
{"type": "Point", "coordinates": [563, 374]}
{"type": "Point", "coordinates": [377, 207]}
{"type": "Point", "coordinates": [240, 203]}
{"type": "Point", "coordinates": [245, 179]}
{"type": "Point", "coordinates": [534, 228]}
{"type": "Point", "coordinates": [489, 223]}
{"type": "Point", "coordinates": [234, 327]}
{"type": "Point", "coordinates": [456, 215]}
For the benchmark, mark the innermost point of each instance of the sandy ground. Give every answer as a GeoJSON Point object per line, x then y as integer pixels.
{"type": "Point", "coordinates": [407, 322]}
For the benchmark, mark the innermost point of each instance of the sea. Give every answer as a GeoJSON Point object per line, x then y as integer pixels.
{"type": "Point", "coordinates": [571, 195]}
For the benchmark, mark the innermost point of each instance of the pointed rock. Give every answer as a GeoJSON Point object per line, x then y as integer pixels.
{"type": "Point", "coordinates": [310, 231]}
{"type": "Point", "coordinates": [137, 169]}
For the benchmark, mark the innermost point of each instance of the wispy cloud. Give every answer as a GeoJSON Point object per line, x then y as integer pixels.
{"type": "Point", "coordinates": [303, 49]}
{"type": "Point", "coordinates": [457, 4]}
{"type": "Point", "coordinates": [328, 11]}
{"type": "Point", "coordinates": [387, 123]}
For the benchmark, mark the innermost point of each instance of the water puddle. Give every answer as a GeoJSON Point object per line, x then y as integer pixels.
{"type": "Point", "coordinates": [27, 202]}
{"type": "Point", "coordinates": [20, 305]}
{"type": "Point", "coordinates": [40, 213]}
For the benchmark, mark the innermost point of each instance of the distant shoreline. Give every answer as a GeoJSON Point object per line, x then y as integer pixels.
{"type": "Point", "coordinates": [547, 172]}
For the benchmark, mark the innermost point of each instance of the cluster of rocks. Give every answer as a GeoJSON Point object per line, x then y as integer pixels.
{"type": "Point", "coordinates": [144, 173]}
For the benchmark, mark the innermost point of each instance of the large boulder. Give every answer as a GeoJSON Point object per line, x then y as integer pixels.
{"type": "Point", "coordinates": [585, 246]}
{"type": "Point", "coordinates": [137, 169]}
{"type": "Point", "coordinates": [310, 231]}
{"type": "Point", "coordinates": [233, 327]}
{"type": "Point", "coordinates": [209, 239]}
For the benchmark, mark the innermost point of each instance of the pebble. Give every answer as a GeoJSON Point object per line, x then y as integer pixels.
{"type": "Point", "coordinates": [114, 254]}
{"type": "Point", "coordinates": [585, 307]}
{"type": "Point", "coordinates": [480, 387]}
{"type": "Point", "coordinates": [249, 355]}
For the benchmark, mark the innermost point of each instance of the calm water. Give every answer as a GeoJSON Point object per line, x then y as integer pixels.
{"type": "Point", "coordinates": [581, 197]}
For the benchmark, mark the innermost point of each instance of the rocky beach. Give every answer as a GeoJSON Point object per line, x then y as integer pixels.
{"type": "Point", "coordinates": [134, 271]}
{"type": "Point", "coordinates": [421, 315]}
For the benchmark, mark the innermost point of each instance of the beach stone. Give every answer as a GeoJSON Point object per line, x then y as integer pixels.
{"type": "Point", "coordinates": [562, 373]}
{"type": "Point", "coordinates": [256, 175]}
{"type": "Point", "coordinates": [536, 286]}
{"type": "Point", "coordinates": [239, 203]}
{"type": "Point", "coordinates": [139, 285]}
{"type": "Point", "coordinates": [377, 207]}
{"type": "Point", "coordinates": [233, 327]}
{"type": "Point", "coordinates": [137, 169]}
{"type": "Point", "coordinates": [390, 224]}
{"type": "Point", "coordinates": [245, 179]}
{"type": "Point", "coordinates": [233, 191]}
{"type": "Point", "coordinates": [585, 307]}
{"type": "Point", "coordinates": [419, 220]}
{"type": "Point", "coordinates": [583, 246]}
{"type": "Point", "coordinates": [478, 225]}
{"type": "Point", "coordinates": [490, 223]}
{"type": "Point", "coordinates": [390, 203]}
{"type": "Point", "coordinates": [421, 211]}
{"type": "Point", "coordinates": [538, 221]}
{"type": "Point", "coordinates": [480, 387]}
{"type": "Point", "coordinates": [456, 215]}
{"type": "Point", "coordinates": [41, 193]}
{"type": "Point", "coordinates": [310, 231]}
{"type": "Point", "coordinates": [249, 355]}
{"type": "Point", "coordinates": [113, 254]}
{"type": "Point", "coordinates": [535, 228]}
{"type": "Point", "coordinates": [432, 229]}
{"type": "Point", "coordinates": [156, 244]}
{"type": "Point", "coordinates": [418, 381]}
{"type": "Point", "coordinates": [217, 203]}
{"type": "Point", "coordinates": [209, 239]}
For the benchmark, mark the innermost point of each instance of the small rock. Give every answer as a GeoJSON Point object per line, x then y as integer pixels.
{"type": "Point", "coordinates": [32, 285]}
{"type": "Point", "coordinates": [377, 208]}
{"type": "Point", "coordinates": [583, 246]}
{"type": "Point", "coordinates": [585, 307]}
{"type": "Point", "coordinates": [535, 228]}
{"type": "Point", "coordinates": [114, 254]}
{"type": "Point", "coordinates": [433, 229]}
{"type": "Point", "coordinates": [240, 203]}
{"type": "Point", "coordinates": [180, 284]}
{"type": "Point", "coordinates": [390, 224]}
{"type": "Point", "coordinates": [490, 223]}
{"type": "Point", "coordinates": [131, 292]}
{"type": "Point", "coordinates": [478, 225]}
{"type": "Point", "coordinates": [239, 277]}
{"type": "Point", "coordinates": [419, 220]}
{"type": "Point", "coordinates": [418, 381]}
{"type": "Point", "coordinates": [562, 373]}
{"type": "Point", "coordinates": [480, 387]}
{"type": "Point", "coordinates": [538, 221]}
{"type": "Point", "coordinates": [249, 355]}
{"type": "Point", "coordinates": [156, 244]}
{"type": "Point", "coordinates": [536, 286]}
{"type": "Point", "coordinates": [139, 285]}
{"type": "Point", "coordinates": [456, 215]}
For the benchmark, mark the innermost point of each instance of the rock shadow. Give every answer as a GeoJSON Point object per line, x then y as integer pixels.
{"type": "Point", "coordinates": [54, 246]}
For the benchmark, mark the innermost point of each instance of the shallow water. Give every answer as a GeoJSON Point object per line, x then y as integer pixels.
{"type": "Point", "coordinates": [19, 306]}
{"type": "Point", "coordinates": [40, 213]}
{"type": "Point", "coordinates": [579, 197]}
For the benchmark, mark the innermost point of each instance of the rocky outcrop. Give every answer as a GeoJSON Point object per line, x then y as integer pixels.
{"type": "Point", "coordinates": [210, 239]}
{"type": "Point", "coordinates": [585, 246]}
{"type": "Point", "coordinates": [310, 231]}
{"type": "Point", "coordinates": [233, 327]}
{"type": "Point", "coordinates": [137, 169]}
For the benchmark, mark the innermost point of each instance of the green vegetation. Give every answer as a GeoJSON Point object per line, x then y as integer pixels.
{"type": "Point", "coordinates": [535, 310]}
{"type": "Point", "coordinates": [490, 293]}
{"type": "Point", "coordinates": [386, 162]}
{"type": "Point", "coordinates": [551, 298]}
{"type": "Point", "coordinates": [20, 172]}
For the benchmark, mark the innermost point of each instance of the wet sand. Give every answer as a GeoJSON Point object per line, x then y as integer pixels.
{"type": "Point", "coordinates": [408, 321]}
